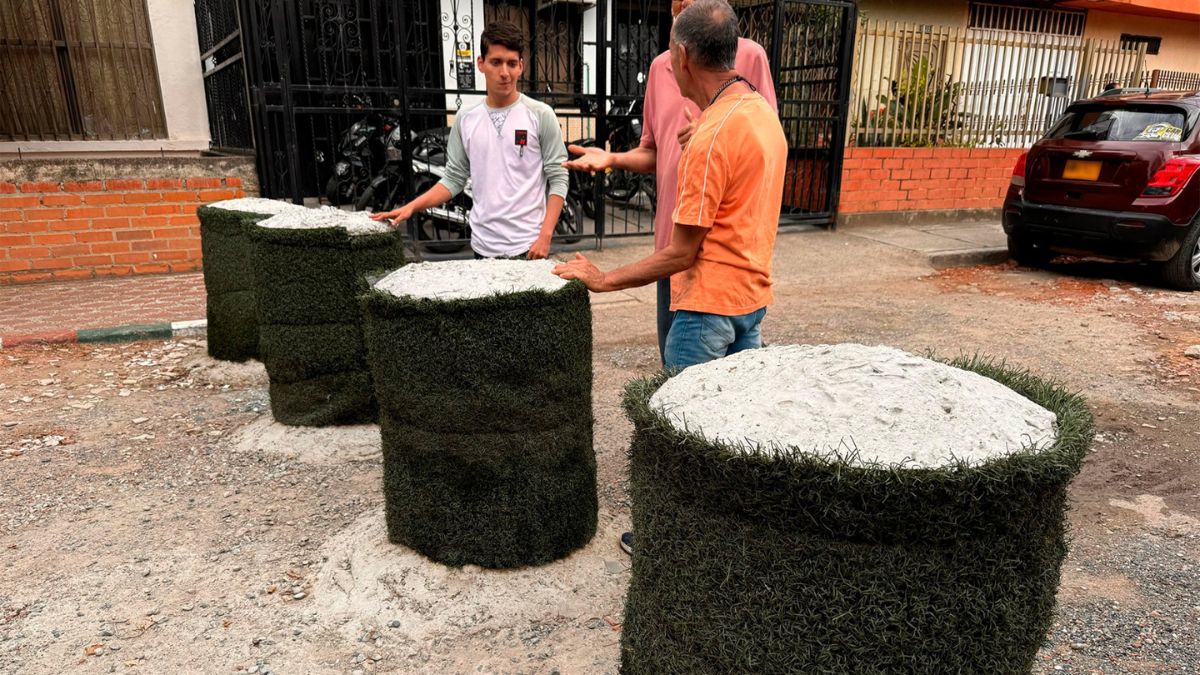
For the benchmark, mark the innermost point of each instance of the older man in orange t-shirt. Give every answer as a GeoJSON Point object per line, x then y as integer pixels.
{"type": "Point", "coordinates": [727, 201]}
{"type": "Point", "coordinates": [670, 120]}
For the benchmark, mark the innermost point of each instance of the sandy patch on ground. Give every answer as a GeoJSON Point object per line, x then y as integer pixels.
{"type": "Point", "coordinates": [312, 445]}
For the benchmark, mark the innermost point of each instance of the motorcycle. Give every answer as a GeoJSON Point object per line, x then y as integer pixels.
{"type": "Point", "coordinates": [362, 153]}
{"type": "Point", "coordinates": [446, 228]}
{"type": "Point", "coordinates": [626, 134]}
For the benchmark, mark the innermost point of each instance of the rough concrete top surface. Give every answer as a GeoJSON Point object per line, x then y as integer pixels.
{"type": "Point", "coordinates": [891, 407]}
{"type": "Point", "coordinates": [256, 205]}
{"type": "Point", "coordinates": [461, 279]}
{"type": "Point", "coordinates": [354, 222]}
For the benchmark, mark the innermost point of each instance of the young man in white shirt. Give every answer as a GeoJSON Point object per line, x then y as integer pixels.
{"type": "Point", "coordinates": [510, 147]}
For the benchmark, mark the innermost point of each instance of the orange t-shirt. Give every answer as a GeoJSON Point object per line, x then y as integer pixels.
{"type": "Point", "coordinates": [731, 182]}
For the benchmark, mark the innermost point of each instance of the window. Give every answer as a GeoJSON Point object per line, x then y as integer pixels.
{"type": "Point", "coordinates": [74, 70]}
{"type": "Point", "coordinates": [1132, 42]}
{"type": "Point", "coordinates": [1145, 123]}
{"type": "Point", "coordinates": [992, 16]}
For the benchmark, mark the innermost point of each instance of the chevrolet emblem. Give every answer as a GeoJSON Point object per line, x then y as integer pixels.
{"type": "Point", "coordinates": [1082, 153]}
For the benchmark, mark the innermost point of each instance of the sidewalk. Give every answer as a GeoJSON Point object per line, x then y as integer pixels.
{"type": "Point", "coordinates": [953, 244]}
{"type": "Point", "coordinates": [101, 309]}
{"type": "Point", "coordinates": [158, 306]}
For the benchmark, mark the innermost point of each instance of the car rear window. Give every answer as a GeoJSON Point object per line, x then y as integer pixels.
{"type": "Point", "coordinates": [1164, 125]}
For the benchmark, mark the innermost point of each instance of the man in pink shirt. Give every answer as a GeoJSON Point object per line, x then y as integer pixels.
{"type": "Point", "coordinates": [668, 124]}
{"type": "Point", "coordinates": [669, 120]}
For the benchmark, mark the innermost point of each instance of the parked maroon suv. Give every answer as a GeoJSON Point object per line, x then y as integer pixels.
{"type": "Point", "coordinates": [1116, 177]}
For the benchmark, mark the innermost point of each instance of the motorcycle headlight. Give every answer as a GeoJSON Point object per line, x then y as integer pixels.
{"type": "Point", "coordinates": [341, 168]}
{"type": "Point", "coordinates": [355, 127]}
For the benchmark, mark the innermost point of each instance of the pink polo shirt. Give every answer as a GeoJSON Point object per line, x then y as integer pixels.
{"type": "Point", "coordinates": [664, 118]}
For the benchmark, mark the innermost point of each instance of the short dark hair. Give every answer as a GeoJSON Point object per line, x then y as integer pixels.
{"type": "Point", "coordinates": [503, 34]}
{"type": "Point", "coordinates": [709, 30]}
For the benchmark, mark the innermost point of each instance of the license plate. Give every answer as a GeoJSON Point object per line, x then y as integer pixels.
{"type": "Point", "coordinates": [1080, 170]}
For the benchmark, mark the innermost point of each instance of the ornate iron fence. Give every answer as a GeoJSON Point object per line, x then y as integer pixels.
{"type": "Point", "coordinates": [316, 66]}
{"type": "Point", "coordinates": [810, 47]}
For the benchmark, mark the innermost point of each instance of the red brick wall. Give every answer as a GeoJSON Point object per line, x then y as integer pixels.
{"type": "Point", "coordinates": [914, 179]}
{"type": "Point", "coordinates": [114, 227]}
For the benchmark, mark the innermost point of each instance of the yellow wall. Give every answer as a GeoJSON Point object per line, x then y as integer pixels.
{"type": "Point", "coordinates": [1180, 39]}
{"type": "Point", "coordinates": [947, 13]}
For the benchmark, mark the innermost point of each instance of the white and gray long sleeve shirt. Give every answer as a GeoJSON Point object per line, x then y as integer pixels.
{"type": "Point", "coordinates": [510, 155]}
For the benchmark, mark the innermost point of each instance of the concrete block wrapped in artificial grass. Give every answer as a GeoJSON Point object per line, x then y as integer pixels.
{"type": "Point", "coordinates": [229, 273]}
{"type": "Point", "coordinates": [483, 371]}
{"type": "Point", "coordinates": [846, 510]}
{"type": "Point", "coordinates": [310, 269]}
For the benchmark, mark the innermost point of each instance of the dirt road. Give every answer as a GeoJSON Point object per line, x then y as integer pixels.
{"type": "Point", "coordinates": [153, 520]}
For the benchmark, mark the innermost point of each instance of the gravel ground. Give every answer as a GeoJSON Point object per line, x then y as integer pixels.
{"type": "Point", "coordinates": [139, 532]}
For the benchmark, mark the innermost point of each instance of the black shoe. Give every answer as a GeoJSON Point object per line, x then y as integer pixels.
{"type": "Point", "coordinates": [627, 542]}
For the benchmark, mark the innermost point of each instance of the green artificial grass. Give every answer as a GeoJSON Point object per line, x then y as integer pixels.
{"type": "Point", "coordinates": [308, 283]}
{"type": "Point", "coordinates": [229, 282]}
{"type": "Point", "coordinates": [774, 560]}
{"type": "Point", "coordinates": [485, 406]}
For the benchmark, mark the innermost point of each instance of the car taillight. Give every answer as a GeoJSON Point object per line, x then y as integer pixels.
{"type": "Point", "coordinates": [1018, 174]}
{"type": "Point", "coordinates": [1171, 178]}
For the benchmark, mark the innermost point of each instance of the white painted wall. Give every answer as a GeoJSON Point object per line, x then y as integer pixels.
{"type": "Point", "coordinates": [177, 53]}
{"type": "Point", "coordinates": [177, 50]}
{"type": "Point", "coordinates": [470, 19]}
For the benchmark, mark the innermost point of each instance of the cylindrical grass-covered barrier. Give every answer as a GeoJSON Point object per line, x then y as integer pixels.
{"type": "Point", "coordinates": [229, 273]}
{"type": "Point", "coordinates": [846, 509]}
{"type": "Point", "coordinates": [310, 269]}
{"type": "Point", "coordinates": [483, 371]}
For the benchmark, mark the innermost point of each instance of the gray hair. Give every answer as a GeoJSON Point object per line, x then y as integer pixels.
{"type": "Point", "coordinates": [709, 31]}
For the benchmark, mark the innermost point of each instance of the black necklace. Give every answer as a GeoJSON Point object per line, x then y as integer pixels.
{"type": "Point", "coordinates": [728, 84]}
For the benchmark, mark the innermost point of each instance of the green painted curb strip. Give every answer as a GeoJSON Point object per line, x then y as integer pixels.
{"type": "Point", "coordinates": [125, 333]}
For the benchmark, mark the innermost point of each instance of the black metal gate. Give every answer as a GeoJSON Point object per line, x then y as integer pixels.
{"type": "Point", "coordinates": [316, 66]}
{"type": "Point", "coordinates": [810, 46]}
{"type": "Point", "coordinates": [221, 57]}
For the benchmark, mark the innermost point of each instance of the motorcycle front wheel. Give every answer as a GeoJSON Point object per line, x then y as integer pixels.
{"type": "Point", "coordinates": [436, 235]}
{"type": "Point", "coordinates": [570, 222]}
{"type": "Point", "coordinates": [341, 191]}
{"type": "Point", "coordinates": [377, 198]}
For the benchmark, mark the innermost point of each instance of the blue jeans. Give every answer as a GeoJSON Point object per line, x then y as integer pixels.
{"type": "Point", "coordinates": [665, 315]}
{"type": "Point", "coordinates": [697, 337]}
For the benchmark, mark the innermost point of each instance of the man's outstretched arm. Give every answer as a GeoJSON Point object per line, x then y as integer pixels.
{"type": "Point", "coordinates": [678, 256]}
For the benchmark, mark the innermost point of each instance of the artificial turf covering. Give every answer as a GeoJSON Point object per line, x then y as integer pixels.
{"type": "Point", "coordinates": [229, 282]}
{"type": "Point", "coordinates": [307, 283]}
{"type": "Point", "coordinates": [780, 561]}
{"type": "Point", "coordinates": [486, 411]}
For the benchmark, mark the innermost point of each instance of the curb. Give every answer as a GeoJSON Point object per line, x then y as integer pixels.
{"type": "Point", "coordinates": [968, 258]}
{"type": "Point", "coordinates": [126, 333]}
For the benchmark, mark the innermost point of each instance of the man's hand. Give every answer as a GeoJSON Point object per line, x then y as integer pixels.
{"type": "Point", "coordinates": [540, 248]}
{"type": "Point", "coordinates": [590, 159]}
{"type": "Point", "coordinates": [395, 216]}
{"type": "Point", "coordinates": [582, 269]}
{"type": "Point", "coordinates": [686, 131]}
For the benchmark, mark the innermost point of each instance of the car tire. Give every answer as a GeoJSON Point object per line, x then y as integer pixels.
{"type": "Point", "coordinates": [1027, 254]}
{"type": "Point", "coordinates": [1182, 271]}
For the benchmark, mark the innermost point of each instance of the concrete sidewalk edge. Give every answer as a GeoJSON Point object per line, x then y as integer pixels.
{"type": "Point", "coordinates": [968, 258]}
{"type": "Point", "coordinates": [126, 333]}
